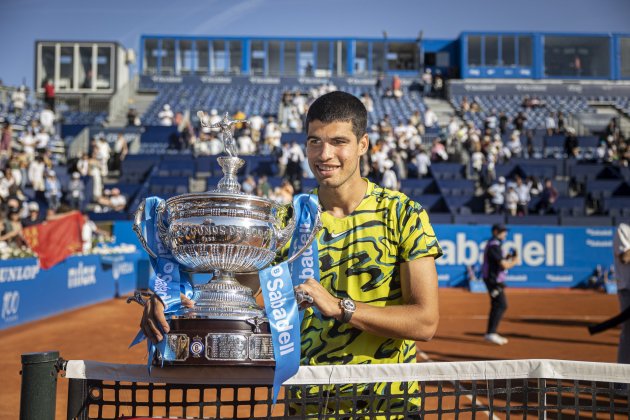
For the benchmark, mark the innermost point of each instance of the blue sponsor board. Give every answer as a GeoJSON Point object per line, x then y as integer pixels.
{"type": "Point", "coordinates": [28, 293]}
{"type": "Point", "coordinates": [550, 256]}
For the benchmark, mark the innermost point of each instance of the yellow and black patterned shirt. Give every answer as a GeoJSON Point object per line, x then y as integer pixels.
{"type": "Point", "coordinates": [359, 258]}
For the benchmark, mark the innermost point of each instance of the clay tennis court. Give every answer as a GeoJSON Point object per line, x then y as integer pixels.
{"type": "Point", "coordinates": [539, 323]}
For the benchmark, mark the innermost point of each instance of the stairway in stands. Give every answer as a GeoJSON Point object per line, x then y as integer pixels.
{"type": "Point", "coordinates": [442, 108]}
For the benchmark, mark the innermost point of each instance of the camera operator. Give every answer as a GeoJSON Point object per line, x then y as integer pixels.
{"type": "Point", "coordinates": [494, 270]}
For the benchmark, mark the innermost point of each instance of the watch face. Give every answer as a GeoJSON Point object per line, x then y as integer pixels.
{"type": "Point", "coordinates": [348, 305]}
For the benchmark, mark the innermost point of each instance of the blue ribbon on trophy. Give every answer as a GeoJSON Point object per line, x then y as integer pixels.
{"type": "Point", "coordinates": [277, 286]}
{"type": "Point", "coordinates": [167, 282]}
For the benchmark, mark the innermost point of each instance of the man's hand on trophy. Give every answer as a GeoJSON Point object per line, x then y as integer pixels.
{"type": "Point", "coordinates": [153, 316]}
{"type": "Point", "coordinates": [314, 294]}
{"type": "Point", "coordinates": [153, 319]}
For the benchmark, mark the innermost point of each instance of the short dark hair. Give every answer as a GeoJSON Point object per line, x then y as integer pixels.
{"type": "Point", "coordinates": [339, 106]}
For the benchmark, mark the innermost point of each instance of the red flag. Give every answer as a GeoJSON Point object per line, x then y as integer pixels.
{"type": "Point", "coordinates": [55, 240]}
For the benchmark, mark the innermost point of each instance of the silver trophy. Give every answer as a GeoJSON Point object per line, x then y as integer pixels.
{"type": "Point", "coordinates": [224, 232]}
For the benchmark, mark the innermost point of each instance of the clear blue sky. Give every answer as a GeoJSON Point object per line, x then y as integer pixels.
{"type": "Point", "coordinates": [22, 22]}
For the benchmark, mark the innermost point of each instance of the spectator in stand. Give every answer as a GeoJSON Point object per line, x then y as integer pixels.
{"type": "Point", "coordinates": [52, 190]}
{"type": "Point", "coordinates": [294, 163]}
{"type": "Point", "coordinates": [438, 85]}
{"type": "Point", "coordinates": [120, 152]}
{"type": "Point", "coordinates": [389, 179]}
{"type": "Point", "coordinates": [264, 188]}
{"type": "Point", "coordinates": [523, 192]}
{"type": "Point", "coordinates": [272, 133]}
{"type": "Point", "coordinates": [88, 231]}
{"type": "Point", "coordinates": [256, 124]}
{"type": "Point", "coordinates": [28, 143]}
{"type": "Point", "coordinates": [36, 171]}
{"type": "Point", "coordinates": [49, 94]}
{"type": "Point", "coordinates": [438, 151]}
{"type": "Point", "coordinates": [249, 185]}
{"type": "Point", "coordinates": [7, 139]}
{"type": "Point", "coordinates": [103, 153]}
{"type": "Point", "coordinates": [42, 139]}
{"type": "Point", "coordinates": [560, 123]}
{"type": "Point", "coordinates": [548, 198]}
{"type": "Point", "coordinates": [571, 148]}
{"type": "Point", "coordinates": [497, 196]}
{"type": "Point", "coordinates": [397, 87]}
{"type": "Point", "coordinates": [112, 201]}
{"type": "Point", "coordinates": [47, 120]}
{"type": "Point", "coordinates": [284, 193]}
{"type": "Point", "coordinates": [12, 232]}
{"type": "Point", "coordinates": [503, 122]}
{"type": "Point", "coordinates": [511, 200]}
{"type": "Point", "coordinates": [34, 216]}
{"type": "Point", "coordinates": [422, 162]}
{"type": "Point", "coordinates": [83, 165]}
{"type": "Point", "coordinates": [18, 100]}
{"type": "Point", "coordinates": [246, 145]}
{"type": "Point", "coordinates": [519, 122]}
{"type": "Point", "coordinates": [94, 171]}
{"type": "Point", "coordinates": [514, 144]}
{"type": "Point", "coordinates": [367, 101]}
{"type": "Point", "coordinates": [133, 119]}
{"type": "Point", "coordinates": [166, 115]}
{"type": "Point", "coordinates": [76, 191]}
{"type": "Point", "coordinates": [430, 118]}
{"type": "Point", "coordinates": [283, 159]}
{"type": "Point", "coordinates": [427, 82]}
{"type": "Point", "coordinates": [550, 124]}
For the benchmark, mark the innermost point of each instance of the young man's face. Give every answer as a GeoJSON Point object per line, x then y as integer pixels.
{"type": "Point", "coordinates": [333, 152]}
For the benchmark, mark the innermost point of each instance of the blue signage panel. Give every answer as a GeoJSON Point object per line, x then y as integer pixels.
{"type": "Point", "coordinates": [551, 256]}
{"type": "Point", "coordinates": [28, 293]}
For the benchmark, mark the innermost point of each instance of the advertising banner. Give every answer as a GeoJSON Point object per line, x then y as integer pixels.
{"type": "Point", "coordinates": [551, 256]}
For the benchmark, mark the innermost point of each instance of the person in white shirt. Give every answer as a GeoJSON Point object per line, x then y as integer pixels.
{"type": "Point", "coordinates": [18, 100]}
{"type": "Point", "coordinates": [42, 139]}
{"type": "Point", "coordinates": [511, 200]}
{"type": "Point", "coordinates": [522, 190]}
{"type": "Point", "coordinates": [166, 115]}
{"type": "Point", "coordinates": [28, 144]}
{"type": "Point", "coordinates": [36, 174]}
{"type": "Point", "coordinates": [256, 124]}
{"type": "Point", "coordinates": [246, 145]}
{"type": "Point", "coordinates": [430, 118]}
{"type": "Point", "coordinates": [422, 162]}
{"type": "Point", "coordinates": [294, 164]}
{"type": "Point", "coordinates": [497, 195]}
{"type": "Point", "coordinates": [389, 180]}
{"type": "Point", "coordinates": [83, 165]}
{"type": "Point", "coordinates": [47, 120]}
{"type": "Point", "coordinates": [103, 153]}
{"type": "Point", "coordinates": [550, 124]}
{"type": "Point", "coordinates": [514, 144]}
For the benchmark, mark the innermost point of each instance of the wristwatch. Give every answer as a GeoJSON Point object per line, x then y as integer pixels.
{"type": "Point", "coordinates": [348, 307]}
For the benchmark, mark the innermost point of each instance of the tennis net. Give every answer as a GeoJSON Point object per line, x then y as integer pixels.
{"type": "Point", "coordinates": [508, 389]}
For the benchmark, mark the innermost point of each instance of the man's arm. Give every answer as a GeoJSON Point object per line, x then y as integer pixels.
{"type": "Point", "coordinates": [625, 256]}
{"type": "Point", "coordinates": [416, 319]}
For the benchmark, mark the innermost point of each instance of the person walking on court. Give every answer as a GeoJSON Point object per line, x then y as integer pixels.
{"type": "Point", "coordinates": [494, 270]}
{"type": "Point", "coordinates": [621, 249]}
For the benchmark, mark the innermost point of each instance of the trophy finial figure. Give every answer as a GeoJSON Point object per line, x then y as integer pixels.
{"type": "Point", "coordinates": [225, 126]}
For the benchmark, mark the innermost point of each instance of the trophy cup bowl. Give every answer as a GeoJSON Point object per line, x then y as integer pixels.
{"type": "Point", "coordinates": [224, 232]}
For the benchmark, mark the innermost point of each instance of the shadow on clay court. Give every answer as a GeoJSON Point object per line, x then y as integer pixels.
{"type": "Point", "coordinates": [582, 323]}
{"type": "Point", "coordinates": [437, 356]}
{"type": "Point", "coordinates": [550, 339]}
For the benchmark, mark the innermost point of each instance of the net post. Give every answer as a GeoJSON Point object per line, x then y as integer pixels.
{"type": "Point", "coordinates": [77, 398]}
{"type": "Point", "coordinates": [38, 394]}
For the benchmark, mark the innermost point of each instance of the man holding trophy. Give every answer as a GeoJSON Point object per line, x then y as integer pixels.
{"type": "Point", "coordinates": [376, 290]}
